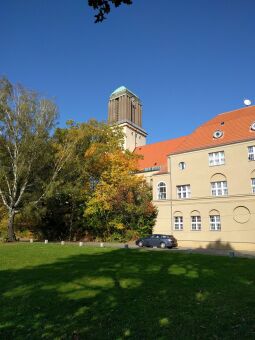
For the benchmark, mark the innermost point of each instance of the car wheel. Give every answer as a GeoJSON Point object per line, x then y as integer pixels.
{"type": "Point", "coordinates": [162, 245]}
{"type": "Point", "coordinates": [140, 244]}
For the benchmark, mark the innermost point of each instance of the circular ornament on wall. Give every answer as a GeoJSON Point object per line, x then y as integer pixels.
{"type": "Point", "coordinates": [241, 214]}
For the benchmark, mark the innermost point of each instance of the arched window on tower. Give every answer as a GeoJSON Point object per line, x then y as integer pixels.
{"type": "Point", "coordinates": [133, 110]}
{"type": "Point", "coordinates": [161, 191]}
{"type": "Point", "coordinates": [116, 109]}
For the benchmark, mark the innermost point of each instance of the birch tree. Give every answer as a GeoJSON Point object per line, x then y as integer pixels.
{"type": "Point", "coordinates": [26, 122]}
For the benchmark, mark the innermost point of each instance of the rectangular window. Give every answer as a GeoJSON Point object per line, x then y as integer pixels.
{"type": "Point", "coordinates": [251, 153]}
{"type": "Point", "coordinates": [215, 222]}
{"type": "Point", "coordinates": [253, 185]}
{"type": "Point", "coordinates": [216, 158]}
{"type": "Point", "coordinates": [178, 223]}
{"type": "Point", "coordinates": [195, 222]}
{"type": "Point", "coordinates": [219, 188]}
{"type": "Point", "coordinates": [183, 191]}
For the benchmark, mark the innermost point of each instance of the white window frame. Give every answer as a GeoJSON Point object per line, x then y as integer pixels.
{"type": "Point", "coordinates": [215, 223]}
{"type": "Point", "coordinates": [183, 191]}
{"type": "Point", "coordinates": [196, 223]}
{"type": "Point", "coordinates": [251, 153]}
{"type": "Point", "coordinates": [216, 158]}
{"type": "Point", "coordinates": [253, 185]}
{"type": "Point", "coordinates": [219, 188]}
{"type": "Point", "coordinates": [178, 222]}
{"type": "Point", "coordinates": [161, 194]}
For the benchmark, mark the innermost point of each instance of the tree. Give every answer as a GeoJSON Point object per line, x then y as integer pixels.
{"type": "Point", "coordinates": [26, 122]}
{"type": "Point", "coordinates": [121, 202]}
{"type": "Point", "coordinates": [59, 214]}
{"type": "Point", "coordinates": [104, 7]}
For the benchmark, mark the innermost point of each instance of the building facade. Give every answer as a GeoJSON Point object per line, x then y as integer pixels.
{"type": "Point", "coordinates": [204, 184]}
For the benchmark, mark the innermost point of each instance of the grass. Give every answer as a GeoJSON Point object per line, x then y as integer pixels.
{"type": "Point", "coordinates": [53, 292]}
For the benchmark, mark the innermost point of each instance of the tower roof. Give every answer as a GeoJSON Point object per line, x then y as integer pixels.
{"type": "Point", "coordinates": [122, 89]}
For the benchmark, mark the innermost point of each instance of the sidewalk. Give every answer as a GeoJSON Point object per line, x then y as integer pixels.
{"type": "Point", "coordinates": [132, 245]}
{"type": "Point", "coordinates": [220, 252]}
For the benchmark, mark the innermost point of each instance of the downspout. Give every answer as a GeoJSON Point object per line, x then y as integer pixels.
{"type": "Point", "coordinates": [171, 201]}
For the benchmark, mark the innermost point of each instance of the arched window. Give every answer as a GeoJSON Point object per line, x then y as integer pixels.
{"type": "Point", "coordinates": [195, 220]}
{"type": "Point", "coordinates": [215, 222]}
{"type": "Point", "coordinates": [219, 186]}
{"type": "Point", "coordinates": [161, 191]}
{"type": "Point", "coordinates": [178, 220]}
{"type": "Point", "coordinates": [253, 182]}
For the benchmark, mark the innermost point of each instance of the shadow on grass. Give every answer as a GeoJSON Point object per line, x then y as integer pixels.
{"type": "Point", "coordinates": [123, 293]}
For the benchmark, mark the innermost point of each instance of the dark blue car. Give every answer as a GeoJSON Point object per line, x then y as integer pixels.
{"type": "Point", "coordinates": [157, 240]}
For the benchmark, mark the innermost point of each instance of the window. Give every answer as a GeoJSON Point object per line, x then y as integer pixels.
{"type": "Point", "coordinates": [183, 191]}
{"type": "Point", "coordinates": [251, 153]}
{"type": "Point", "coordinates": [117, 109]}
{"type": "Point", "coordinates": [215, 222]}
{"type": "Point", "coordinates": [217, 134]}
{"type": "Point", "coordinates": [219, 188]}
{"type": "Point", "coordinates": [161, 191]}
{"type": "Point", "coordinates": [182, 165]}
{"type": "Point", "coordinates": [195, 222]}
{"type": "Point", "coordinates": [178, 223]}
{"type": "Point", "coordinates": [253, 185]}
{"type": "Point", "coordinates": [216, 158]}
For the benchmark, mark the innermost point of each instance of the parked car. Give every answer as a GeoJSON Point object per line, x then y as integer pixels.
{"type": "Point", "coordinates": [157, 240]}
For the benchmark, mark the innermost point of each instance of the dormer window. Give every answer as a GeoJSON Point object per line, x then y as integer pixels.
{"type": "Point", "coordinates": [253, 126]}
{"type": "Point", "coordinates": [217, 134]}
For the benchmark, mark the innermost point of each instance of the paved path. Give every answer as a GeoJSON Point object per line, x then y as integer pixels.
{"type": "Point", "coordinates": [221, 252]}
{"type": "Point", "coordinates": [132, 245]}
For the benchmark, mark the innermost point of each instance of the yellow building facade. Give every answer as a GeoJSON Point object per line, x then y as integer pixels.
{"type": "Point", "coordinates": [204, 184]}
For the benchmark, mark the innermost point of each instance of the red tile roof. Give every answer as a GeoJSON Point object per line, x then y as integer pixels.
{"type": "Point", "coordinates": [235, 126]}
{"type": "Point", "coordinates": [155, 155]}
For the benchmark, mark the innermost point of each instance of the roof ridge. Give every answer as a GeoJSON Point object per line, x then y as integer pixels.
{"type": "Point", "coordinates": [163, 141]}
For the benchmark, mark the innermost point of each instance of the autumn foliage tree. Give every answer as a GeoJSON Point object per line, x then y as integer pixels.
{"type": "Point", "coordinates": [66, 182]}
{"type": "Point", "coordinates": [121, 203]}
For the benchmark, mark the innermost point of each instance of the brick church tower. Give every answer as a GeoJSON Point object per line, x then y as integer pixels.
{"type": "Point", "coordinates": [125, 110]}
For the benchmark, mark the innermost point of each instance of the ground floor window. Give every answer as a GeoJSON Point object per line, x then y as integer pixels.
{"type": "Point", "coordinates": [178, 223]}
{"type": "Point", "coordinates": [215, 223]}
{"type": "Point", "coordinates": [195, 222]}
{"type": "Point", "coordinates": [253, 185]}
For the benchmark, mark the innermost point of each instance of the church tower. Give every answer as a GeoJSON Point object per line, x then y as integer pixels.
{"type": "Point", "coordinates": [125, 110]}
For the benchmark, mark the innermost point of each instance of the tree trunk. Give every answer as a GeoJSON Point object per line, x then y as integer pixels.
{"type": "Point", "coordinates": [11, 235]}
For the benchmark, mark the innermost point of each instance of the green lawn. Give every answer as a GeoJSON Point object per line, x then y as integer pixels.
{"type": "Point", "coordinates": [50, 291]}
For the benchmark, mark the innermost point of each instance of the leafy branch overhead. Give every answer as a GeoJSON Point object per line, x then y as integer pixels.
{"type": "Point", "coordinates": [103, 7]}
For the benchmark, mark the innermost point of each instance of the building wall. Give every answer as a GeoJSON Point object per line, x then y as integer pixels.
{"type": "Point", "coordinates": [237, 209]}
{"type": "Point", "coordinates": [133, 137]}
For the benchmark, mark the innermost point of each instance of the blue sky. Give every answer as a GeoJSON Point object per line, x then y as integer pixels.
{"type": "Point", "coordinates": [186, 60]}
